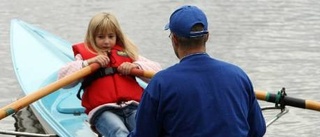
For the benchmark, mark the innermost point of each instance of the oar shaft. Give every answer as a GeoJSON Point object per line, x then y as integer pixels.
{"type": "Point", "coordinates": [261, 95]}
{"type": "Point", "coordinates": [290, 101]}
{"type": "Point", "coordinates": [142, 73]}
{"type": "Point", "coordinates": [34, 96]}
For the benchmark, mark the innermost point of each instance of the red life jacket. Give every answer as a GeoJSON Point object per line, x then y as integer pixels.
{"type": "Point", "coordinates": [111, 88]}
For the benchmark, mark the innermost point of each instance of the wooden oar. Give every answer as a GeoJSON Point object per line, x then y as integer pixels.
{"type": "Point", "coordinates": [36, 95]}
{"type": "Point", "coordinates": [290, 101]}
{"type": "Point", "coordinates": [265, 96]}
{"type": "Point", "coordinates": [142, 73]}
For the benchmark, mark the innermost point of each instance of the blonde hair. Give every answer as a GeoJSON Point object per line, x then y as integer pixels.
{"type": "Point", "coordinates": [103, 23]}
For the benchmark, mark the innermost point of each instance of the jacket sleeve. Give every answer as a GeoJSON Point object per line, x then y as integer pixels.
{"type": "Point", "coordinates": [147, 121]}
{"type": "Point", "coordinates": [256, 120]}
{"type": "Point", "coordinates": [70, 68]}
{"type": "Point", "coordinates": [146, 64]}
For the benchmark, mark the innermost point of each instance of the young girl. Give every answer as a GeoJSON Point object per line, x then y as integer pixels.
{"type": "Point", "coordinates": [111, 95]}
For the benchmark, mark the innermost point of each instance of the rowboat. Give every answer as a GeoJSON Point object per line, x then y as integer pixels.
{"type": "Point", "coordinates": [60, 112]}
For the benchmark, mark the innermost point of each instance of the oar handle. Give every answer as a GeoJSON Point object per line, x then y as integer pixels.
{"type": "Point", "coordinates": [290, 101]}
{"type": "Point", "coordinates": [36, 95]}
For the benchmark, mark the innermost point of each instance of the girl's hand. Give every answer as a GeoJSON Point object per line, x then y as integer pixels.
{"type": "Point", "coordinates": [126, 67]}
{"type": "Point", "coordinates": [103, 60]}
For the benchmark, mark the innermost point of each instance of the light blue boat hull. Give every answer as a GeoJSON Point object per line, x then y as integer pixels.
{"type": "Point", "coordinates": [37, 56]}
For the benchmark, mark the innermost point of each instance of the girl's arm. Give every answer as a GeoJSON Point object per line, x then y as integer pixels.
{"type": "Point", "coordinates": [148, 65]}
{"type": "Point", "coordinates": [70, 68]}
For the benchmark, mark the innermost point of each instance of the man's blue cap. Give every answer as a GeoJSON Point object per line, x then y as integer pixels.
{"type": "Point", "coordinates": [184, 18]}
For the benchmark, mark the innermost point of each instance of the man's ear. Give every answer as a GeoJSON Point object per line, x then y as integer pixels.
{"type": "Point", "coordinates": [206, 37]}
{"type": "Point", "coordinates": [174, 39]}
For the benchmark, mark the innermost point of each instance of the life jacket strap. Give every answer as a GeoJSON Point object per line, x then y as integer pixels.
{"type": "Point", "coordinates": [98, 74]}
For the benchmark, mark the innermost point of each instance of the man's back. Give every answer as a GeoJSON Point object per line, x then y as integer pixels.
{"type": "Point", "coordinates": [204, 97]}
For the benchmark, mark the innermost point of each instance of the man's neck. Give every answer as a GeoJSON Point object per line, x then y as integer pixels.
{"type": "Point", "coordinates": [184, 53]}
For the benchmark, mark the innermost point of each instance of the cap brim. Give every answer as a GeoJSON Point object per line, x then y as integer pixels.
{"type": "Point", "coordinates": [166, 27]}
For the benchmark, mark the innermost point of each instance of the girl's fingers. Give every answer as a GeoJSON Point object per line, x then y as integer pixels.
{"type": "Point", "coordinates": [102, 60]}
{"type": "Point", "coordinates": [126, 67]}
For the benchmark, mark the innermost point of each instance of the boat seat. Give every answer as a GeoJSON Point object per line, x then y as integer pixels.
{"type": "Point", "coordinates": [69, 103]}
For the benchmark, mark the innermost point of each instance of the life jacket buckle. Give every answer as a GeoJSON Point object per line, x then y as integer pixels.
{"type": "Point", "coordinates": [110, 71]}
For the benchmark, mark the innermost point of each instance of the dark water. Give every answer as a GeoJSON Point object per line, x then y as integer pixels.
{"type": "Point", "coordinates": [277, 42]}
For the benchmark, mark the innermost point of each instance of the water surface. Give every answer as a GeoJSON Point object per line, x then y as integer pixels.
{"type": "Point", "coordinates": [276, 42]}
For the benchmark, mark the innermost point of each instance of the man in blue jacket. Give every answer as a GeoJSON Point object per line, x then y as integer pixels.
{"type": "Point", "coordinates": [200, 96]}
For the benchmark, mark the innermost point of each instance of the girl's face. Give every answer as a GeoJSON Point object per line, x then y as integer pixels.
{"type": "Point", "coordinates": [106, 41]}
